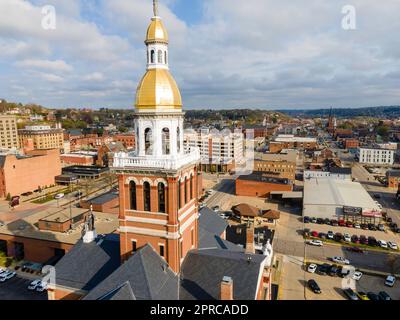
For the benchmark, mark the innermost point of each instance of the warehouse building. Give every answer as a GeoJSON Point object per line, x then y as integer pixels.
{"type": "Point", "coordinates": [339, 199]}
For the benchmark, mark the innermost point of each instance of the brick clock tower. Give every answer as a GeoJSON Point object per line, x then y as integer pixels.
{"type": "Point", "coordinates": [159, 182]}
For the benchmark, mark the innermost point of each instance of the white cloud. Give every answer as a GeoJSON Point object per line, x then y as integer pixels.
{"type": "Point", "coordinates": [56, 66]}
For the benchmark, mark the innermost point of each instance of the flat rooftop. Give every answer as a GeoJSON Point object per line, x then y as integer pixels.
{"type": "Point", "coordinates": [27, 226]}
{"type": "Point", "coordinates": [336, 192]}
{"type": "Point", "coordinates": [103, 198]}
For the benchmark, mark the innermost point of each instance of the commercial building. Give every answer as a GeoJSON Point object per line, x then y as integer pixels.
{"type": "Point", "coordinates": [258, 185]}
{"type": "Point", "coordinates": [351, 143]}
{"type": "Point", "coordinates": [42, 137]}
{"type": "Point", "coordinates": [339, 199]}
{"type": "Point", "coordinates": [393, 179]}
{"type": "Point", "coordinates": [284, 141]}
{"type": "Point", "coordinates": [219, 151]}
{"type": "Point", "coordinates": [333, 173]}
{"type": "Point", "coordinates": [280, 169]}
{"type": "Point", "coordinates": [78, 159]}
{"type": "Point", "coordinates": [8, 132]}
{"type": "Point", "coordinates": [20, 174]}
{"type": "Point", "coordinates": [128, 140]}
{"type": "Point", "coordinates": [375, 156]}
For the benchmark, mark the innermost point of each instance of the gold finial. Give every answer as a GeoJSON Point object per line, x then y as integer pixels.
{"type": "Point", "coordinates": [155, 8]}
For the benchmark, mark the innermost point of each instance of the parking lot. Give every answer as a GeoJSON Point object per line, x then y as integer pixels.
{"type": "Point", "coordinates": [17, 289]}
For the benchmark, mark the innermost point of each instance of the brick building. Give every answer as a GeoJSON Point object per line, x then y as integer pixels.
{"type": "Point", "coordinates": [128, 140]}
{"type": "Point", "coordinates": [20, 174]}
{"type": "Point", "coordinates": [393, 179]}
{"type": "Point", "coordinates": [257, 185]}
{"type": "Point", "coordinates": [77, 159]}
{"type": "Point", "coordinates": [43, 137]}
{"type": "Point", "coordinates": [279, 169]}
{"type": "Point", "coordinates": [291, 142]}
{"type": "Point", "coordinates": [8, 132]}
{"type": "Point", "coordinates": [351, 143]}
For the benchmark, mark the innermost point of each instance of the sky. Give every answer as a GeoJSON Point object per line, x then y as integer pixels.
{"type": "Point", "coordinates": [260, 54]}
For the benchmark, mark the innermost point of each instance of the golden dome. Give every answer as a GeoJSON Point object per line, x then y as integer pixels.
{"type": "Point", "coordinates": [156, 31]}
{"type": "Point", "coordinates": [158, 90]}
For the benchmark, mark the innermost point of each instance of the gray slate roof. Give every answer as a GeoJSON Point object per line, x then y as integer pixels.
{"type": "Point", "coordinates": [87, 264]}
{"type": "Point", "coordinates": [123, 292]}
{"type": "Point", "coordinates": [146, 276]}
{"type": "Point", "coordinates": [203, 270]}
{"type": "Point", "coordinates": [211, 221]}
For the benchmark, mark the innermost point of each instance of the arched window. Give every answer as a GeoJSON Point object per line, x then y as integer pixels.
{"type": "Point", "coordinates": [161, 197]}
{"type": "Point", "coordinates": [165, 57]}
{"type": "Point", "coordinates": [178, 139]}
{"type": "Point", "coordinates": [146, 196]}
{"type": "Point", "coordinates": [178, 187]}
{"type": "Point", "coordinates": [160, 56]}
{"type": "Point", "coordinates": [152, 56]}
{"type": "Point", "coordinates": [165, 141]}
{"type": "Point", "coordinates": [191, 187]}
{"type": "Point", "coordinates": [185, 190]}
{"type": "Point", "coordinates": [132, 194]}
{"type": "Point", "coordinates": [148, 141]}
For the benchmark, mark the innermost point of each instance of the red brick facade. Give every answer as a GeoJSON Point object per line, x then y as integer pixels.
{"type": "Point", "coordinates": [251, 188]}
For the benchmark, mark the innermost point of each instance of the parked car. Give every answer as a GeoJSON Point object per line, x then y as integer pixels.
{"type": "Point", "coordinates": [334, 223]}
{"type": "Point", "coordinates": [389, 219]}
{"type": "Point", "coordinates": [338, 237]}
{"type": "Point", "coordinates": [383, 244]}
{"type": "Point", "coordinates": [78, 194]}
{"type": "Point", "coordinates": [364, 226]}
{"type": "Point", "coordinates": [317, 243]}
{"type": "Point", "coordinates": [312, 268]}
{"type": "Point", "coordinates": [313, 220]}
{"type": "Point", "coordinates": [41, 287]}
{"type": "Point", "coordinates": [393, 245]}
{"type": "Point", "coordinates": [323, 269]}
{"type": "Point", "coordinates": [327, 221]}
{"type": "Point", "coordinates": [357, 226]}
{"type": "Point", "coordinates": [372, 227]}
{"type": "Point", "coordinates": [306, 232]}
{"type": "Point", "coordinates": [314, 234]}
{"type": "Point", "coordinates": [390, 281]}
{"type": "Point", "coordinates": [320, 221]}
{"type": "Point", "coordinates": [340, 260]}
{"type": "Point", "coordinates": [362, 295]}
{"type": "Point", "coordinates": [381, 227]}
{"type": "Point", "coordinates": [7, 275]}
{"type": "Point", "coordinates": [313, 285]}
{"type": "Point", "coordinates": [333, 271]}
{"type": "Point", "coordinates": [322, 235]}
{"type": "Point", "coordinates": [346, 237]}
{"type": "Point", "coordinates": [306, 219]}
{"type": "Point", "coordinates": [363, 240]}
{"type": "Point", "coordinates": [373, 296]}
{"type": "Point", "coordinates": [357, 275]}
{"type": "Point", "coordinates": [384, 296]}
{"type": "Point", "coordinates": [34, 284]}
{"type": "Point", "coordinates": [59, 196]}
{"type": "Point", "coordinates": [342, 223]}
{"type": "Point", "coordinates": [351, 295]}
{"type": "Point", "coordinates": [355, 239]}
{"type": "Point", "coordinates": [372, 241]}
{"type": "Point", "coordinates": [330, 235]}
{"type": "Point", "coordinates": [349, 224]}
{"type": "Point", "coordinates": [215, 208]}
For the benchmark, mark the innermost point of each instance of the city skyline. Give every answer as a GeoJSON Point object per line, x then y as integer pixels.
{"type": "Point", "coordinates": [261, 55]}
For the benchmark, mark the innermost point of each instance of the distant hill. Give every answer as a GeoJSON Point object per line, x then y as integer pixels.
{"type": "Point", "coordinates": [388, 112]}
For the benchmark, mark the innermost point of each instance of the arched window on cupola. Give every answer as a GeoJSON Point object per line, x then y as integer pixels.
{"type": "Point", "coordinates": [146, 196]}
{"type": "Point", "coordinates": [166, 150]}
{"type": "Point", "coordinates": [165, 57]}
{"type": "Point", "coordinates": [160, 56]}
{"type": "Point", "coordinates": [152, 56]}
{"type": "Point", "coordinates": [178, 139]}
{"type": "Point", "coordinates": [161, 197]}
{"type": "Point", "coordinates": [132, 194]}
{"type": "Point", "coordinates": [148, 141]}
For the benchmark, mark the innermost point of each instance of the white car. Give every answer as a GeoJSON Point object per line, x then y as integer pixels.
{"type": "Point", "coordinates": [357, 226]}
{"type": "Point", "coordinates": [390, 281]}
{"type": "Point", "coordinates": [41, 287]}
{"type": "Point", "coordinates": [317, 243]}
{"type": "Point", "coordinates": [330, 235]}
{"type": "Point", "coordinates": [340, 260]}
{"type": "Point", "coordinates": [393, 245]}
{"type": "Point", "coordinates": [59, 196]}
{"type": "Point", "coordinates": [347, 237]}
{"type": "Point", "coordinates": [357, 275]}
{"type": "Point", "coordinates": [382, 244]}
{"type": "Point", "coordinates": [7, 275]}
{"type": "Point", "coordinates": [312, 268]}
{"type": "Point", "coordinates": [34, 284]}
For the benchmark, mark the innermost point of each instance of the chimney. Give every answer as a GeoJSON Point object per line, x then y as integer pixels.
{"type": "Point", "coordinates": [250, 239]}
{"type": "Point", "coordinates": [226, 289]}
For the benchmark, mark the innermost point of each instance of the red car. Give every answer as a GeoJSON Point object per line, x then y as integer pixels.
{"type": "Point", "coordinates": [342, 223]}
{"type": "Point", "coordinates": [314, 234]}
{"type": "Point", "coordinates": [349, 224]}
{"type": "Point", "coordinates": [355, 239]}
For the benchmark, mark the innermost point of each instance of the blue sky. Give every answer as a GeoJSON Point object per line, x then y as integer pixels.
{"type": "Point", "coordinates": [272, 54]}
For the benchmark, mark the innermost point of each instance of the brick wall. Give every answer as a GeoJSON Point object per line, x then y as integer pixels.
{"type": "Point", "coordinates": [258, 189]}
